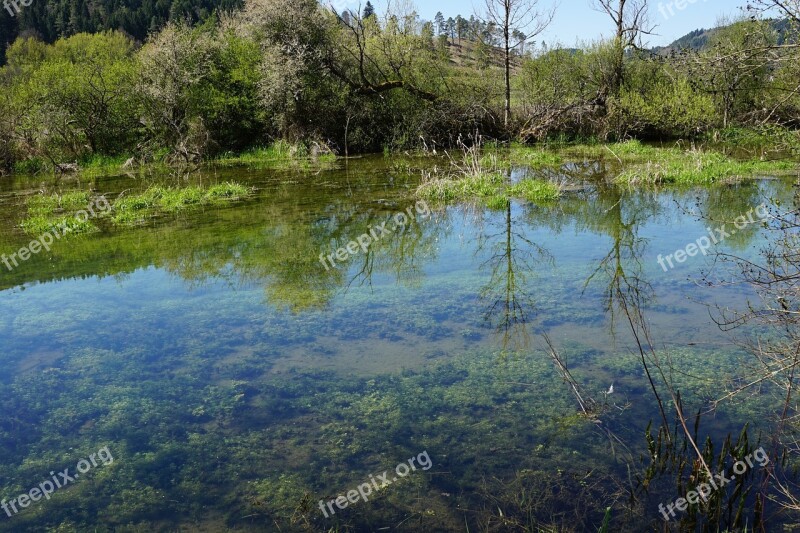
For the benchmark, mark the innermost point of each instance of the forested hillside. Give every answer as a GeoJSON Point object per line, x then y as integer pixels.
{"type": "Point", "coordinates": [699, 39]}
{"type": "Point", "coordinates": [50, 19]}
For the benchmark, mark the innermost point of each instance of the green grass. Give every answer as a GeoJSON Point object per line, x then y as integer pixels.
{"type": "Point", "coordinates": [696, 168]}
{"type": "Point", "coordinates": [648, 165]}
{"type": "Point", "coordinates": [96, 166]}
{"type": "Point", "coordinates": [281, 154]}
{"type": "Point", "coordinates": [536, 190]}
{"type": "Point", "coordinates": [490, 189]}
{"type": "Point", "coordinates": [534, 157]}
{"type": "Point", "coordinates": [766, 138]}
{"type": "Point", "coordinates": [460, 189]}
{"type": "Point", "coordinates": [138, 208]}
{"type": "Point", "coordinates": [47, 212]}
{"type": "Point", "coordinates": [31, 166]}
{"type": "Point", "coordinates": [68, 224]}
{"type": "Point", "coordinates": [626, 151]}
{"type": "Point", "coordinates": [47, 205]}
{"type": "Point", "coordinates": [482, 175]}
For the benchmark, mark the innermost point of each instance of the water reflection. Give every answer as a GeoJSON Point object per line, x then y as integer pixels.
{"type": "Point", "coordinates": [512, 260]}
{"type": "Point", "coordinates": [217, 398]}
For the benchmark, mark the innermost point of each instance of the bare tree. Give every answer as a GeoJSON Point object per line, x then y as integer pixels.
{"type": "Point", "coordinates": [521, 16]}
{"type": "Point", "coordinates": [631, 20]}
{"type": "Point", "coordinates": [787, 8]}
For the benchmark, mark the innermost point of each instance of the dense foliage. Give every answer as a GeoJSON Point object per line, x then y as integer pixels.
{"type": "Point", "coordinates": [348, 83]}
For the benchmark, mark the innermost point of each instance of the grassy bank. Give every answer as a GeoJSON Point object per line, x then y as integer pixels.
{"type": "Point", "coordinates": [279, 155]}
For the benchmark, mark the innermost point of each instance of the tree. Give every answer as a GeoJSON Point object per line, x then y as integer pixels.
{"type": "Point", "coordinates": [369, 10]}
{"type": "Point", "coordinates": [451, 28]}
{"type": "Point", "coordinates": [631, 21]}
{"type": "Point", "coordinates": [172, 67]}
{"type": "Point", "coordinates": [371, 60]}
{"type": "Point", "coordinates": [520, 38]}
{"type": "Point", "coordinates": [439, 21]}
{"type": "Point", "coordinates": [736, 67]}
{"type": "Point", "coordinates": [462, 27]}
{"type": "Point", "coordinates": [788, 8]}
{"type": "Point", "coordinates": [427, 32]}
{"type": "Point", "coordinates": [519, 15]}
{"type": "Point", "coordinates": [293, 85]}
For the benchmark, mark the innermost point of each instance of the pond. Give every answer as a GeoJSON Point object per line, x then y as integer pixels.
{"type": "Point", "coordinates": [231, 368]}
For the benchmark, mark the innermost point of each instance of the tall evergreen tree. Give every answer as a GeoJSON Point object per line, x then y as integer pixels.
{"type": "Point", "coordinates": [369, 10]}
{"type": "Point", "coordinates": [462, 27]}
{"type": "Point", "coordinates": [451, 28]}
{"type": "Point", "coordinates": [439, 20]}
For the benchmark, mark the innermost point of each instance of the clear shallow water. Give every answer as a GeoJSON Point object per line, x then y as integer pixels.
{"type": "Point", "coordinates": [238, 382]}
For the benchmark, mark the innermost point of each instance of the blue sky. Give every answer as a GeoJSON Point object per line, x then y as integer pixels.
{"type": "Point", "coordinates": [575, 19]}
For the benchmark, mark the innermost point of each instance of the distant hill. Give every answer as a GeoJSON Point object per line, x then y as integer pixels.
{"type": "Point", "coordinates": [698, 39]}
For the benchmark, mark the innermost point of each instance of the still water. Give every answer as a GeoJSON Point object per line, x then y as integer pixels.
{"type": "Point", "coordinates": [241, 384]}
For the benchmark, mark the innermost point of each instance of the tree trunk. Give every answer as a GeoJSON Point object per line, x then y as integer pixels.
{"type": "Point", "coordinates": [506, 31]}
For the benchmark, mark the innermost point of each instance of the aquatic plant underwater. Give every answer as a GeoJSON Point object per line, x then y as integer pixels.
{"type": "Point", "coordinates": [238, 382]}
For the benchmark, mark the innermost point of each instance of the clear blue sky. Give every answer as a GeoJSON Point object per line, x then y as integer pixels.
{"type": "Point", "coordinates": [576, 20]}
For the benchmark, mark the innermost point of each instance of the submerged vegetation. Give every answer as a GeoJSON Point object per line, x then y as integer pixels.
{"type": "Point", "coordinates": [241, 371]}
{"type": "Point", "coordinates": [192, 380]}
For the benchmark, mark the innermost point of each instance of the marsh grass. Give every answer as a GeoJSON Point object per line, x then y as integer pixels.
{"type": "Point", "coordinates": [101, 165]}
{"type": "Point", "coordinates": [697, 167]}
{"type": "Point", "coordinates": [136, 209]}
{"type": "Point", "coordinates": [482, 174]}
{"type": "Point", "coordinates": [651, 165]}
{"type": "Point", "coordinates": [493, 190]}
{"type": "Point", "coordinates": [51, 204]}
{"type": "Point", "coordinates": [448, 189]}
{"type": "Point", "coordinates": [68, 224]}
{"type": "Point", "coordinates": [281, 154]}
{"type": "Point", "coordinates": [534, 157]}
{"type": "Point", "coordinates": [47, 212]}
{"type": "Point", "coordinates": [765, 139]}
{"type": "Point", "coordinates": [536, 190]}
